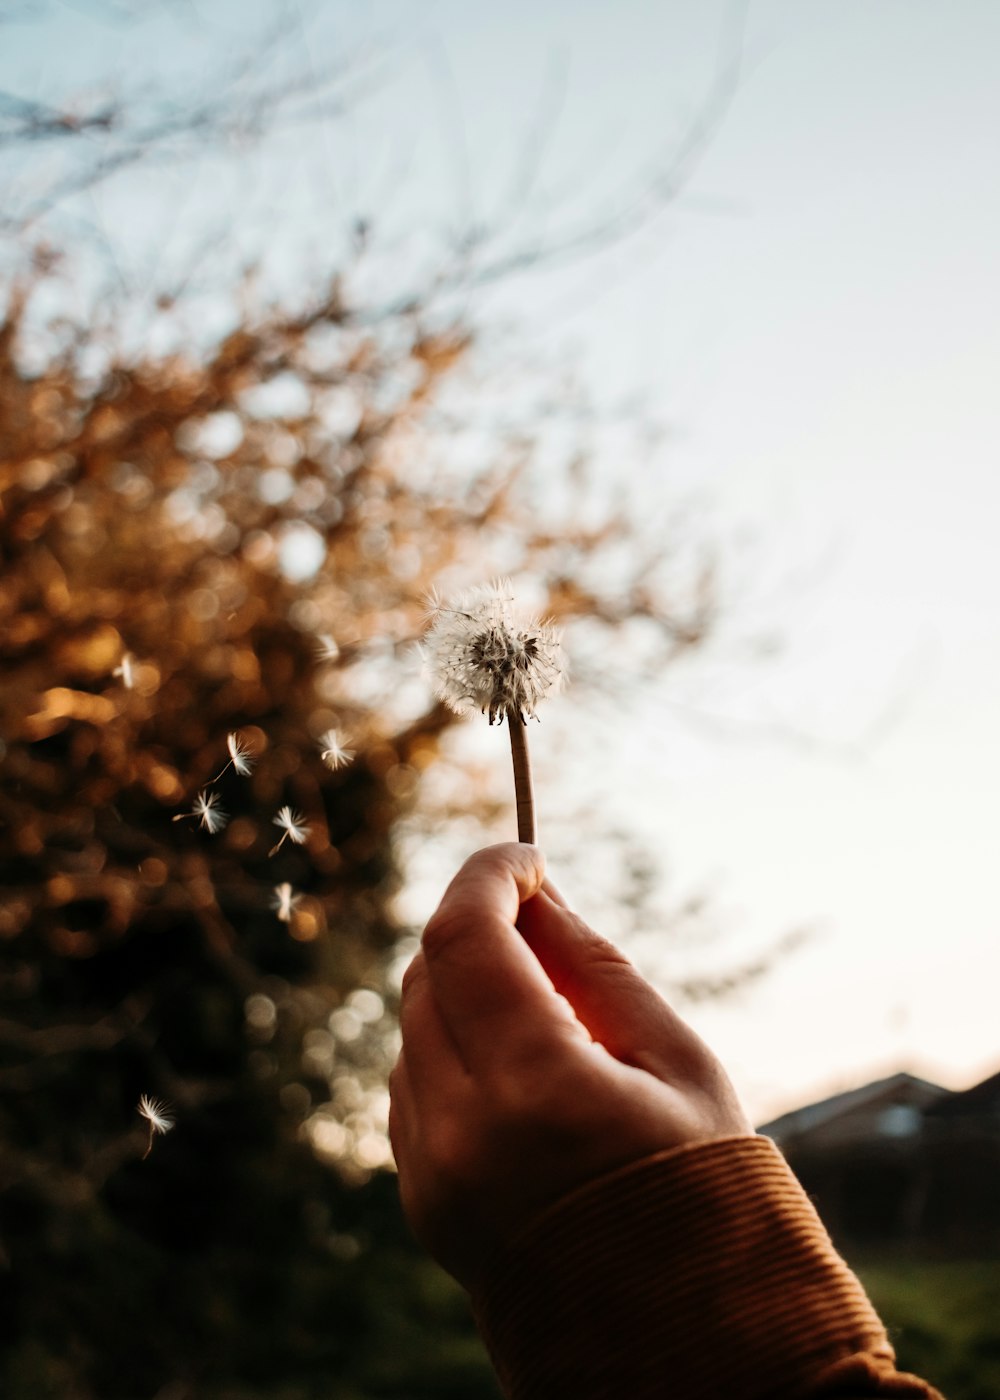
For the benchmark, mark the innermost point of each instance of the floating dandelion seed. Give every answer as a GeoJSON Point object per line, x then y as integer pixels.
{"type": "Point", "coordinates": [239, 757]}
{"type": "Point", "coordinates": [158, 1116]}
{"type": "Point", "coordinates": [126, 671]}
{"type": "Point", "coordinates": [327, 648]}
{"type": "Point", "coordinates": [481, 656]}
{"type": "Point", "coordinates": [284, 901]}
{"type": "Point", "coordinates": [207, 812]}
{"type": "Point", "coordinates": [295, 828]}
{"type": "Point", "coordinates": [333, 752]}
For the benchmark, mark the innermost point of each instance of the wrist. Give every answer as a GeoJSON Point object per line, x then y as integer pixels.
{"type": "Point", "coordinates": [705, 1265]}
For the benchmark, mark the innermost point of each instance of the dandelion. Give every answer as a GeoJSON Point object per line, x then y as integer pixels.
{"type": "Point", "coordinates": [207, 812]}
{"type": "Point", "coordinates": [294, 827]}
{"type": "Point", "coordinates": [239, 757]}
{"type": "Point", "coordinates": [284, 901]}
{"type": "Point", "coordinates": [327, 648]}
{"type": "Point", "coordinates": [482, 656]}
{"type": "Point", "coordinates": [332, 750]}
{"type": "Point", "coordinates": [158, 1116]}
{"type": "Point", "coordinates": [126, 671]}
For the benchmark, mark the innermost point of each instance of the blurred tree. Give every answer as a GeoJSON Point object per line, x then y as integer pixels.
{"type": "Point", "coordinates": [234, 538]}
{"type": "Point", "coordinates": [193, 549]}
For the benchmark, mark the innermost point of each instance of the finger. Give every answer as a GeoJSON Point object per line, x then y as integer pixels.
{"type": "Point", "coordinates": [401, 1110]}
{"type": "Point", "coordinates": [433, 1060]}
{"type": "Point", "coordinates": [608, 995]}
{"type": "Point", "coordinates": [549, 888]}
{"type": "Point", "coordinates": [489, 988]}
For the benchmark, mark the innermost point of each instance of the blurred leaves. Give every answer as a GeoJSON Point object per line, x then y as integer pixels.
{"type": "Point", "coordinates": [182, 537]}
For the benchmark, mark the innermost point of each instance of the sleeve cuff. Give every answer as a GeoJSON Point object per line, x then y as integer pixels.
{"type": "Point", "coordinates": [699, 1273]}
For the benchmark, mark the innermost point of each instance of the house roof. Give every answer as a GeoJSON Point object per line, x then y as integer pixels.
{"type": "Point", "coordinates": [983, 1097]}
{"type": "Point", "coordinates": [901, 1087]}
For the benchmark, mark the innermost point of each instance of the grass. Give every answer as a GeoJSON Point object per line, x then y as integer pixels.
{"type": "Point", "coordinates": [944, 1320]}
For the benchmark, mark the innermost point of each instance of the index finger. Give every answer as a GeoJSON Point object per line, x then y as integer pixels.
{"type": "Point", "coordinates": [488, 985]}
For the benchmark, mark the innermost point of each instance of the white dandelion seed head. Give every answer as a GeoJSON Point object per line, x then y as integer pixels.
{"type": "Point", "coordinates": [293, 824]}
{"type": "Point", "coordinates": [211, 816]}
{"type": "Point", "coordinates": [333, 750]}
{"type": "Point", "coordinates": [284, 900]}
{"type": "Point", "coordinates": [239, 754]}
{"type": "Point", "coordinates": [156, 1113]}
{"type": "Point", "coordinates": [433, 603]}
{"type": "Point", "coordinates": [483, 656]}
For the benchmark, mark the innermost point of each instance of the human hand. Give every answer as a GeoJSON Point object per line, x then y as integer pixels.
{"type": "Point", "coordinates": [535, 1058]}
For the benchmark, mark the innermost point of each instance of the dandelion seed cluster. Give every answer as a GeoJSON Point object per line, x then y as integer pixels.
{"type": "Point", "coordinates": [481, 656]}
{"type": "Point", "coordinates": [207, 812]}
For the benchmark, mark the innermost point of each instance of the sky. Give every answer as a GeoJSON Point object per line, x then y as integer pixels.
{"type": "Point", "coordinates": [817, 319]}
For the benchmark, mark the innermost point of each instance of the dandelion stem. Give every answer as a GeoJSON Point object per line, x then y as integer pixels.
{"type": "Point", "coordinates": [522, 777]}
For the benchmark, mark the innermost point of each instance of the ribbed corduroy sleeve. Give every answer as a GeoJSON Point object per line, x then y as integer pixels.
{"type": "Point", "coordinates": [698, 1274]}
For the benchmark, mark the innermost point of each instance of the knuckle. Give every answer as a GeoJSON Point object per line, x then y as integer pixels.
{"type": "Point", "coordinates": [532, 1093]}
{"type": "Point", "coordinates": [605, 964]}
{"type": "Point", "coordinates": [613, 969]}
{"type": "Point", "coordinates": [452, 1152]}
{"type": "Point", "coordinates": [596, 950]}
{"type": "Point", "coordinates": [446, 928]}
{"type": "Point", "coordinates": [601, 952]}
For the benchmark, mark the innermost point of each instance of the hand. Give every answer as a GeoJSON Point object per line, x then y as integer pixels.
{"type": "Point", "coordinates": [535, 1058]}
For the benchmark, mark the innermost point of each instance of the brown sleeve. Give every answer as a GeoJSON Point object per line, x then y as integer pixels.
{"type": "Point", "coordinates": [702, 1273]}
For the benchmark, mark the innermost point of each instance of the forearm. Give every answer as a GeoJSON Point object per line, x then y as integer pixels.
{"type": "Point", "coordinates": [698, 1274]}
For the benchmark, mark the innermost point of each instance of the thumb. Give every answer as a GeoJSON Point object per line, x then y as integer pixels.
{"type": "Point", "coordinates": [608, 995]}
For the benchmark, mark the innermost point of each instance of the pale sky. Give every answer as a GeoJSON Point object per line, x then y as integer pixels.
{"type": "Point", "coordinates": [818, 321]}
{"type": "Point", "coordinates": [829, 350]}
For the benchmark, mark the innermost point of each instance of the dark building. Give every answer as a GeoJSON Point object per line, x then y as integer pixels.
{"type": "Point", "coordinates": [901, 1161]}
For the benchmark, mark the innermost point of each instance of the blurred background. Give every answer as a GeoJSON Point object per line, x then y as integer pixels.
{"type": "Point", "coordinates": [686, 318]}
